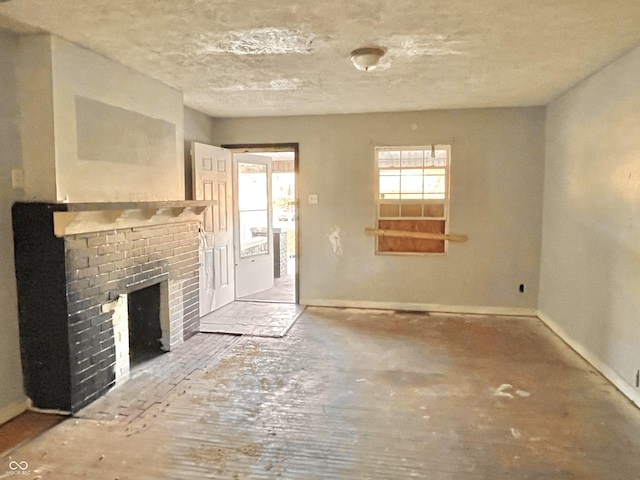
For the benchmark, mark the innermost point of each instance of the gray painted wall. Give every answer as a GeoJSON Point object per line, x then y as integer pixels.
{"type": "Point", "coordinates": [496, 185]}
{"type": "Point", "coordinates": [12, 399]}
{"type": "Point", "coordinates": [590, 272]}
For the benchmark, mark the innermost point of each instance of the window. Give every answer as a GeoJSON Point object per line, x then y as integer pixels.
{"type": "Point", "coordinates": [412, 196]}
{"type": "Point", "coordinates": [253, 209]}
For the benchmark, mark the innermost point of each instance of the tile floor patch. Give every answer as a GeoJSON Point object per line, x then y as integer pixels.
{"type": "Point", "coordinates": [252, 318]}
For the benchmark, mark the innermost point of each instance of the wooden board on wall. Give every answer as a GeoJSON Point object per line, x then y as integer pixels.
{"type": "Point", "coordinates": [411, 245]}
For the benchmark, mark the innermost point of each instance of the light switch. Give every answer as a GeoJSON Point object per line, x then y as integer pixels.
{"type": "Point", "coordinates": [313, 199]}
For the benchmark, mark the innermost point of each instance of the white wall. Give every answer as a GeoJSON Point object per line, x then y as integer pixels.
{"type": "Point", "coordinates": [590, 272]}
{"type": "Point", "coordinates": [35, 93]}
{"type": "Point", "coordinates": [135, 169]}
{"type": "Point", "coordinates": [496, 185]}
{"type": "Point", "coordinates": [12, 400]}
{"type": "Point", "coordinates": [95, 130]}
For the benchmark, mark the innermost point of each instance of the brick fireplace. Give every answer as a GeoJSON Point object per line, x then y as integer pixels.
{"type": "Point", "coordinates": [77, 268]}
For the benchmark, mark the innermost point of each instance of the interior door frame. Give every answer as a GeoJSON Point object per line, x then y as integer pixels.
{"type": "Point", "coordinates": [280, 147]}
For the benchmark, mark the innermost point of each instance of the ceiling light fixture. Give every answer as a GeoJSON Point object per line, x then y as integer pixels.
{"type": "Point", "coordinates": [366, 59]}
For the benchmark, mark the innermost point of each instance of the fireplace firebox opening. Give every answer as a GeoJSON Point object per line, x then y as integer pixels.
{"type": "Point", "coordinates": [145, 331]}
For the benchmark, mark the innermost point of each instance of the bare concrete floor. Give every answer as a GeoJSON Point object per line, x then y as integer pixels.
{"type": "Point", "coordinates": [353, 394]}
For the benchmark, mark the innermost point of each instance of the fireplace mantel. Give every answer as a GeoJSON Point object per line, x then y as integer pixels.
{"type": "Point", "coordinates": [77, 218]}
{"type": "Point", "coordinates": [73, 260]}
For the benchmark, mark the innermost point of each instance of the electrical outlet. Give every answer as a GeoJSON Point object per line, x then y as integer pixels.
{"type": "Point", "coordinates": [313, 199]}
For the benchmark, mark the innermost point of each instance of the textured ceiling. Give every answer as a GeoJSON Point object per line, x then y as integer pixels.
{"type": "Point", "coordinates": [285, 57]}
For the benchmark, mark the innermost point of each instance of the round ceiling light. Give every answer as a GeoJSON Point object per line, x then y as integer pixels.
{"type": "Point", "coordinates": [366, 59]}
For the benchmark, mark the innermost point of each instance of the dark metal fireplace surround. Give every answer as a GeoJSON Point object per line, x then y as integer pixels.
{"type": "Point", "coordinates": [73, 263]}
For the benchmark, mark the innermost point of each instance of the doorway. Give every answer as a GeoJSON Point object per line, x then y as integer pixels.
{"type": "Point", "coordinates": [251, 289]}
{"type": "Point", "coordinates": [249, 237]}
{"type": "Point", "coordinates": [275, 272]}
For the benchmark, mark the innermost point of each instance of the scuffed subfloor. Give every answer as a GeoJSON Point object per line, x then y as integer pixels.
{"type": "Point", "coordinates": [354, 395]}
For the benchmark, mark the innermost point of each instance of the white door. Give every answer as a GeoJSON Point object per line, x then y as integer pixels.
{"type": "Point", "coordinates": [212, 180]}
{"type": "Point", "coordinates": [254, 232]}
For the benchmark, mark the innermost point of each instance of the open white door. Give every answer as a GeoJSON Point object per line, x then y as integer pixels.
{"type": "Point", "coordinates": [212, 180]}
{"type": "Point", "coordinates": [254, 232]}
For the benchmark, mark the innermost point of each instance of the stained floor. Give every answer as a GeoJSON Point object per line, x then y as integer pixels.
{"type": "Point", "coordinates": [352, 394]}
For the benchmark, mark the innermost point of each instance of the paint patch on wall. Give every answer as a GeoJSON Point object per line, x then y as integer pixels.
{"type": "Point", "coordinates": [260, 41]}
{"type": "Point", "coordinates": [112, 134]}
{"type": "Point", "coordinates": [335, 240]}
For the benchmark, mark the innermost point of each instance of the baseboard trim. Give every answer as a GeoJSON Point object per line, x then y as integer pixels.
{"type": "Point", "coordinates": [13, 410]}
{"type": "Point", "coordinates": [420, 307]}
{"type": "Point", "coordinates": [617, 381]}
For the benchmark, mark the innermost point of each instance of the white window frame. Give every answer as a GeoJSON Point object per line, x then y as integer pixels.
{"type": "Point", "coordinates": [445, 201]}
